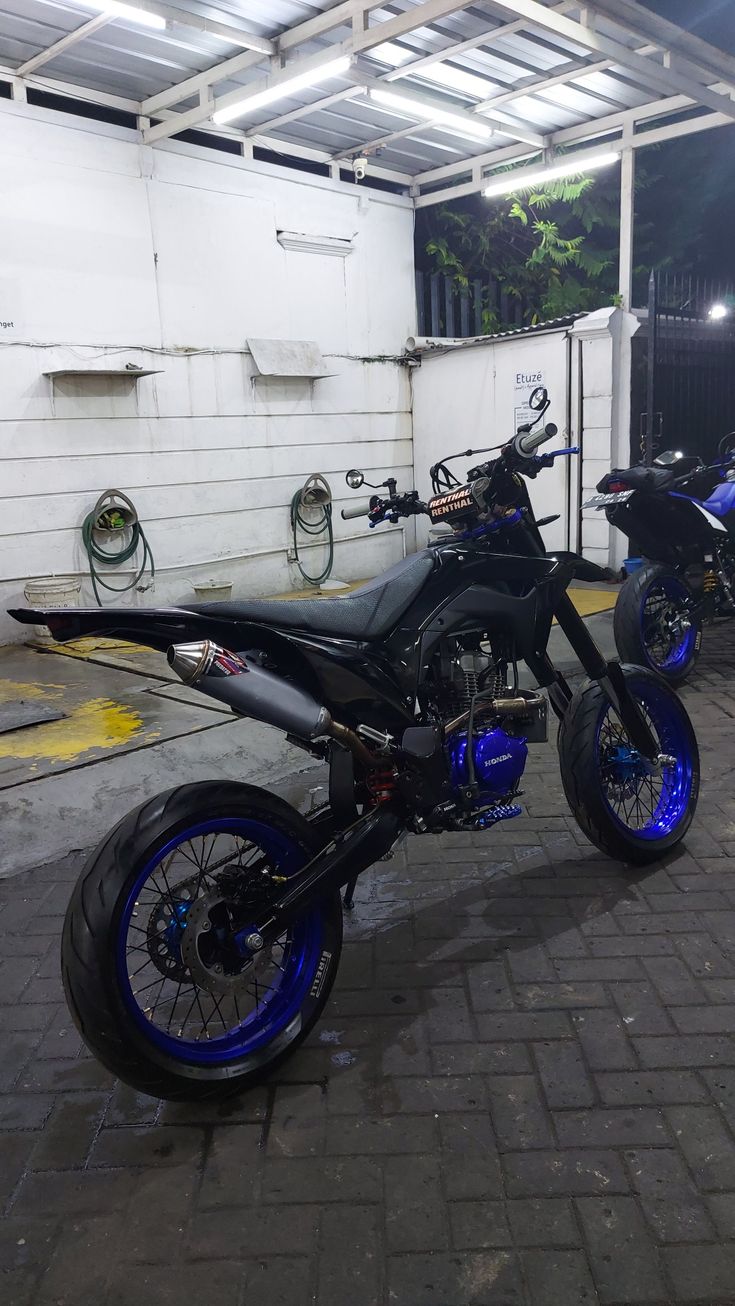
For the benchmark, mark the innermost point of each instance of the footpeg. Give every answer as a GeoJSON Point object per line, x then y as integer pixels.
{"type": "Point", "coordinates": [503, 812]}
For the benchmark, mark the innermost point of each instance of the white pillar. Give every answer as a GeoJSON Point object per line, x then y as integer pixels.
{"type": "Point", "coordinates": [627, 218]}
{"type": "Point", "coordinates": [603, 427]}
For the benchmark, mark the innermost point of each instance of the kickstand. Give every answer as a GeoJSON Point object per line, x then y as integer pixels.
{"type": "Point", "coordinates": [348, 898]}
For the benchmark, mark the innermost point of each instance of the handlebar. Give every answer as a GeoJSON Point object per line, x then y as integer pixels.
{"type": "Point", "coordinates": [525, 442]}
{"type": "Point", "coordinates": [456, 502]}
{"type": "Point", "coordinates": [355, 510]}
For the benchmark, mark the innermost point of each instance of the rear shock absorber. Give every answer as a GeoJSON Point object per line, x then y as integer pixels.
{"type": "Point", "coordinates": [381, 785]}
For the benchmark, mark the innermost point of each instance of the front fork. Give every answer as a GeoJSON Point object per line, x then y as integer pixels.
{"type": "Point", "coordinates": [608, 674]}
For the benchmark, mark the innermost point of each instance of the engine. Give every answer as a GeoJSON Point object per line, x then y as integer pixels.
{"type": "Point", "coordinates": [465, 768]}
{"type": "Point", "coordinates": [498, 761]}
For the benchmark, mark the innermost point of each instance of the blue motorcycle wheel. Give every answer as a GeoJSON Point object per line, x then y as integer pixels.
{"type": "Point", "coordinates": [158, 990]}
{"type": "Point", "coordinates": [654, 624]}
{"type": "Point", "coordinates": [628, 809]}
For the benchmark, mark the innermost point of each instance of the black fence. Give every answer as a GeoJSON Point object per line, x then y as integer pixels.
{"type": "Point", "coordinates": [684, 367]}
{"type": "Point", "coordinates": [447, 310]}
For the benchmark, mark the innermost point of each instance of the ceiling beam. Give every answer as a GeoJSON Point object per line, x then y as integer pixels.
{"type": "Point", "coordinates": [228, 32]}
{"type": "Point", "coordinates": [338, 16]}
{"type": "Point", "coordinates": [207, 106]}
{"type": "Point", "coordinates": [652, 74]}
{"type": "Point", "coordinates": [293, 116]}
{"type": "Point", "coordinates": [501, 121]}
{"type": "Point", "coordinates": [71, 38]}
{"type": "Point", "coordinates": [430, 11]}
{"type": "Point", "coordinates": [648, 25]}
{"type": "Point", "coordinates": [594, 129]}
{"type": "Point", "coordinates": [71, 91]}
{"type": "Point", "coordinates": [306, 31]}
{"type": "Point", "coordinates": [193, 85]}
{"type": "Point", "coordinates": [540, 84]}
{"type": "Point", "coordinates": [405, 70]}
{"type": "Point", "coordinates": [655, 136]}
{"type": "Point", "coordinates": [472, 43]}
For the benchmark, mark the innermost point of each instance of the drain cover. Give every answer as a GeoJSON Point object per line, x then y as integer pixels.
{"type": "Point", "coordinates": [16, 716]}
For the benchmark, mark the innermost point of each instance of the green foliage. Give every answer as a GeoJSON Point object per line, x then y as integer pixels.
{"type": "Point", "coordinates": [551, 249]}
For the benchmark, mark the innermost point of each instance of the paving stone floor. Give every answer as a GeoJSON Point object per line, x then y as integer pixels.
{"type": "Point", "coordinates": [522, 1090]}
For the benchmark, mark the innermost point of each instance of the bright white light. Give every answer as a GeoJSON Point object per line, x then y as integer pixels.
{"type": "Point", "coordinates": [718, 311]}
{"type": "Point", "coordinates": [421, 110]}
{"type": "Point", "coordinates": [282, 90]}
{"type": "Point", "coordinates": [509, 183]}
{"type": "Point", "coordinates": [458, 79]}
{"type": "Point", "coordinates": [117, 10]}
{"type": "Point", "coordinates": [390, 53]}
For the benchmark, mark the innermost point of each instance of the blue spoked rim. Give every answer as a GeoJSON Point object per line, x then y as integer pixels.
{"type": "Point", "coordinates": [648, 806]}
{"type": "Point", "coordinates": [178, 1015]}
{"type": "Point", "coordinates": [665, 600]}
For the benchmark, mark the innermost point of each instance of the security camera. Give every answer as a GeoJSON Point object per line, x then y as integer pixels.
{"type": "Point", "coordinates": [360, 167]}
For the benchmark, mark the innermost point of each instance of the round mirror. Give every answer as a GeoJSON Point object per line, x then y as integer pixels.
{"type": "Point", "coordinates": [539, 398]}
{"type": "Point", "coordinates": [354, 479]}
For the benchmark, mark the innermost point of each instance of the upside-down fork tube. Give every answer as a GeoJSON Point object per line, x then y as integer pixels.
{"type": "Point", "coordinates": [365, 842]}
{"type": "Point", "coordinates": [609, 675]}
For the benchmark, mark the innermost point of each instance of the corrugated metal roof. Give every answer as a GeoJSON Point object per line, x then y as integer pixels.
{"type": "Point", "coordinates": [544, 80]}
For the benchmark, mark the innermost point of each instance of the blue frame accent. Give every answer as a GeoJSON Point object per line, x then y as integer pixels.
{"type": "Point", "coordinates": [720, 502]}
{"type": "Point", "coordinates": [276, 1012]}
{"type": "Point", "coordinates": [678, 780]}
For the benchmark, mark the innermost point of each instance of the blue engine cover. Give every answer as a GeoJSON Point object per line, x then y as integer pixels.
{"type": "Point", "coordinates": [499, 761]}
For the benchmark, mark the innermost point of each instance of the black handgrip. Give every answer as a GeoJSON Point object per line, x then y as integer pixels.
{"type": "Point", "coordinates": [525, 444]}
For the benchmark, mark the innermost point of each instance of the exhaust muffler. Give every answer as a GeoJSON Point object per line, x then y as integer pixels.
{"type": "Point", "coordinates": [253, 691]}
{"type": "Point", "coordinates": [248, 689]}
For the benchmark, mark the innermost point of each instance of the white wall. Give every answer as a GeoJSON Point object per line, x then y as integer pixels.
{"type": "Point", "coordinates": [169, 258]}
{"type": "Point", "coordinates": [602, 352]}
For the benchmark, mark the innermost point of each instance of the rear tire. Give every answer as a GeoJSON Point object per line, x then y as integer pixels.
{"type": "Point", "coordinates": [648, 601]}
{"type": "Point", "coordinates": [115, 902]}
{"type": "Point", "coordinates": [626, 813]}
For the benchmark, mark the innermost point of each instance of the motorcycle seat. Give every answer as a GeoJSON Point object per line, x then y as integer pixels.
{"type": "Point", "coordinates": [369, 612]}
{"type": "Point", "coordinates": [638, 478]}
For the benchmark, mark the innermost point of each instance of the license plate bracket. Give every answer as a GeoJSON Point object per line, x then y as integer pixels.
{"type": "Point", "coordinates": [604, 500]}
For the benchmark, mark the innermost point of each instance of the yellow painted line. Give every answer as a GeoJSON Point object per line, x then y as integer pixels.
{"type": "Point", "coordinates": [83, 648]}
{"type": "Point", "coordinates": [11, 691]}
{"type": "Point", "coordinates": [313, 593]}
{"type": "Point", "coordinates": [97, 724]}
{"type": "Point", "coordinates": [590, 602]}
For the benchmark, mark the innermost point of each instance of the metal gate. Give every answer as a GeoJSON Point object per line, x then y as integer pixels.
{"type": "Point", "coordinates": [481, 308]}
{"type": "Point", "coordinates": [684, 367]}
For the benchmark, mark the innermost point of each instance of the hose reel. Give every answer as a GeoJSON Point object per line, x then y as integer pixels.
{"type": "Point", "coordinates": [314, 498]}
{"type": "Point", "coordinates": [114, 520]}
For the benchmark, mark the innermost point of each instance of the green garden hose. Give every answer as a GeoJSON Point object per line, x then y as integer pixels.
{"type": "Point", "coordinates": [111, 508]}
{"type": "Point", "coordinates": [316, 496]}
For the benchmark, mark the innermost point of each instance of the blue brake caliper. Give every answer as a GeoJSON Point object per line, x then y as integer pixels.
{"type": "Point", "coordinates": [175, 928]}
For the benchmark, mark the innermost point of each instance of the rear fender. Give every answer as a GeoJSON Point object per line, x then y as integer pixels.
{"type": "Point", "coordinates": [158, 628]}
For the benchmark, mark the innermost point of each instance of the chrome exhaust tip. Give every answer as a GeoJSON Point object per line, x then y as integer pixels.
{"type": "Point", "coordinates": [191, 661]}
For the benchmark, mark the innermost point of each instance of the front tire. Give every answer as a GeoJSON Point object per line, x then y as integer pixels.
{"type": "Point", "coordinates": [181, 1019]}
{"type": "Point", "coordinates": [654, 626]}
{"type": "Point", "coordinates": [626, 812]}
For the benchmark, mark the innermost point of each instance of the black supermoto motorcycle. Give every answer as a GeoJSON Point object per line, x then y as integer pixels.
{"type": "Point", "coordinates": [680, 515]}
{"type": "Point", "coordinates": [204, 933]}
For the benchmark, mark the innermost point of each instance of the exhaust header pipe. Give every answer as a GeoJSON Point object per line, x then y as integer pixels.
{"type": "Point", "coordinates": [248, 689]}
